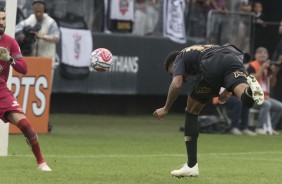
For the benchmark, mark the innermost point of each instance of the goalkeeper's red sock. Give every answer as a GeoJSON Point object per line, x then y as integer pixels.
{"type": "Point", "coordinates": [32, 139]}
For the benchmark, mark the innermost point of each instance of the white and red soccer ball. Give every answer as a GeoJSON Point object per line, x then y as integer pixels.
{"type": "Point", "coordinates": [101, 60]}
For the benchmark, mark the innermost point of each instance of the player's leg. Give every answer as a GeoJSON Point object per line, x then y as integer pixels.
{"type": "Point", "coordinates": [191, 130]}
{"type": "Point", "coordinates": [23, 124]}
{"type": "Point", "coordinates": [244, 94]}
{"type": "Point", "coordinates": [249, 92]}
{"type": "Point", "coordinates": [195, 103]}
{"type": "Point", "coordinates": [236, 80]}
{"type": "Point", "coordinates": [191, 133]}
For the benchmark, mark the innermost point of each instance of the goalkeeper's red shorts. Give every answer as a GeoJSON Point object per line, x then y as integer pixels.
{"type": "Point", "coordinates": [8, 103]}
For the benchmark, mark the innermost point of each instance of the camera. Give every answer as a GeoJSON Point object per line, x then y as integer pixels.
{"type": "Point", "coordinates": [276, 63]}
{"type": "Point", "coordinates": [29, 33]}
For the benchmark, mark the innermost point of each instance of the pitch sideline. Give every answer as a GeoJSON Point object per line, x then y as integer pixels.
{"type": "Point", "coordinates": [153, 155]}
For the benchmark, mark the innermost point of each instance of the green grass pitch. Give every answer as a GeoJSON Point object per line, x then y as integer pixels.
{"type": "Point", "coordinates": [99, 149]}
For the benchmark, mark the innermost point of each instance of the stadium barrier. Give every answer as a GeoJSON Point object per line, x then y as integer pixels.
{"type": "Point", "coordinates": [138, 67]}
{"type": "Point", "coordinates": [33, 92]}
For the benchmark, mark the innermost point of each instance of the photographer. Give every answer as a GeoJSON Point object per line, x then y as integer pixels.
{"type": "Point", "coordinates": [38, 34]}
{"type": "Point", "coordinates": [265, 72]}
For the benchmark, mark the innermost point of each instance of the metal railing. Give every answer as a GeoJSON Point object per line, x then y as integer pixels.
{"type": "Point", "coordinates": [230, 28]}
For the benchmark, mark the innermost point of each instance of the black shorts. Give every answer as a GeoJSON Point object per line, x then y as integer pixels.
{"type": "Point", "coordinates": [203, 92]}
{"type": "Point", "coordinates": [222, 70]}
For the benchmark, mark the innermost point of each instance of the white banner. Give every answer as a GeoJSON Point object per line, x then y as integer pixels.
{"type": "Point", "coordinates": [76, 47]}
{"type": "Point", "coordinates": [122, 10]}
{"type": "Point", "coordinates": [174, 24]}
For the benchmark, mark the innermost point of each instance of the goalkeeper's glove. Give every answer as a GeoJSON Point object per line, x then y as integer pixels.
{"type": "Point", "coordinates": [5, 55]}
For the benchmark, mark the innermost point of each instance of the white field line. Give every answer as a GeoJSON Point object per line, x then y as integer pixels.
{"type": "Point", "coordinates": [159, 155]}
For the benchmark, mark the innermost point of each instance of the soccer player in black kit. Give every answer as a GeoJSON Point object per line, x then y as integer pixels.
{"type": "Point", "coordinates": [212, 67]}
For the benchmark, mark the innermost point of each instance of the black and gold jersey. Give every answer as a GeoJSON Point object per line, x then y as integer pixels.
{"type": "Point", "coordinates": [189, 59]}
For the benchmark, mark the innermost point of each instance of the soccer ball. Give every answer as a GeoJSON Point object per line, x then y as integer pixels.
{"type": "Point", "coordinates": [101, 60]}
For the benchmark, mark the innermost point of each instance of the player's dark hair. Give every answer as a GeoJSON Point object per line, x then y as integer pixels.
{"type": "Point", "coordinates": [170, 59]}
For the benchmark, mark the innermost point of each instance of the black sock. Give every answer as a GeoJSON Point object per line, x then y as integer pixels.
{"type": "Point", "coordinates": [247, 99]}
{"type": "Point", "coordinates": [191, 133]}
{"type": "Point", "coordinates": [191, 147]}
{"type": "Point", "coordinates": [248, 92]}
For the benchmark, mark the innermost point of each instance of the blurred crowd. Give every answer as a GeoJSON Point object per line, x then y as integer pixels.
{"type": "Point", "coordinates": [238, 22]}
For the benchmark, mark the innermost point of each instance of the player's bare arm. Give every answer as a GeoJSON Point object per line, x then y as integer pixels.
{"type": "Point", "coordinates": [174, 90]}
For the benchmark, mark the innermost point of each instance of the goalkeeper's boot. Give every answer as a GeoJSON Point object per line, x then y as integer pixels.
{"type": "Point", "coordinates": [257, 92]}
{"type": "Point", "coordinates": [44, 167]}
{"type": "Point", "coordinates": [186, 171]}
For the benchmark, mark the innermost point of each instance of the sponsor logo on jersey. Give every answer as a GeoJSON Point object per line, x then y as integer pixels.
{"type": "Point", "coordinates": [15, 103]}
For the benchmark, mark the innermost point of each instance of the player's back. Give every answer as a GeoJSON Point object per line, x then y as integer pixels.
{"type": "Point", "coordinates": [193, 55]}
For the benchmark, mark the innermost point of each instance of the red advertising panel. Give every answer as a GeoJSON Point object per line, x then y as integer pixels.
{"type": "Point", "coordinates": [33, 92]}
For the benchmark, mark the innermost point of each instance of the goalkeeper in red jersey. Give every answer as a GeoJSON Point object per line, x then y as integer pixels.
{"type": "Point", "coordinates": [10, 110]}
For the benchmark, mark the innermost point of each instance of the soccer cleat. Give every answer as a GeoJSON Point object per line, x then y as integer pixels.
{"type": "Point", "coordinates": [257, 92]}
{"type": "Point", "coordinates": [44, 167]}
{"type": "Point", "coordinates": [186, 171]}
